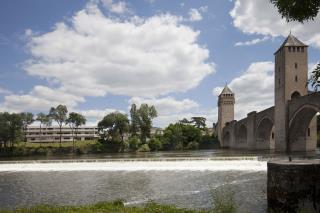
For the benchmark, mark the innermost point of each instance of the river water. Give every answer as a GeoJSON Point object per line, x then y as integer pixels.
{"type": "Point", "coordinates": [186, 179]}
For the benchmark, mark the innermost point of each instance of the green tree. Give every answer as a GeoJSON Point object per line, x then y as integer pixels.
{"type": "Point", "coordinates": [146, 114]}
{"type": "Point", "coordinates": [10, 128]}
{"type": "Point", "coordinates": [155, 144]}
{"type": "Point", "coordinates": [27, 119]}
{"type": "Point", "coordinates": [75, 120]}
{"type": "Point", "coordinates": [297, 10]}
{"type": "Point", "coordinates": [4, 129]}
{"type": "Point", "coordinates": [114, 124]}
{"type": "Point", "coordinates": [134, 125]}
{"type": "Point", "coordinates": [43, 120]}
{"type": "Point", "coordinates": [199, 122]}
{"type": "Point", "coordinates": [315, 78]}
{"type": "Point", "coordinates": [59, 114]}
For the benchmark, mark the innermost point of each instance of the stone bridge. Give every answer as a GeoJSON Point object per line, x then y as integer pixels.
{"type": "Point", "coordinates": [256, 131]}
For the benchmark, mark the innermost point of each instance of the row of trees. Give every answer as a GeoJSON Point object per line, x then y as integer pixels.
{"type": "Point", "coordinates": [13, 126]}
{"type": "Point", "coordinates": [120, 134]}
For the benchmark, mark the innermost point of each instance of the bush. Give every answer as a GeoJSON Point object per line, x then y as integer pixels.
{"type": "Point", "coordinates": [134, 143]}
{"type": "Point", "coordinates": [144, 148]}
{"type": "Point", "coordinates": [193, 145]}
{"type": "Point", "coordinates": [209, 142]}
{"type": "Point", "coordinates": [155, 144]}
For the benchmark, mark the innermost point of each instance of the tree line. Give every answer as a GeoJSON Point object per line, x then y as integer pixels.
{"type": "Point", "coordinates": [121, 134]}
{"type": "Point", "coordinates": [13, 126]}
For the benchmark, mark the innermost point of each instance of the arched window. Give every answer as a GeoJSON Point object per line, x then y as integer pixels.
{"type": "Point", "coordinates": [296, 78]}
{"type": "Point", "coordinates": [296, 94]}
{"type": "Point", "coordinates": [296, 65]}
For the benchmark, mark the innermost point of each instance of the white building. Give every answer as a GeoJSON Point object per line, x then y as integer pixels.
{"type": "Point", "coordinates": [52, 134]}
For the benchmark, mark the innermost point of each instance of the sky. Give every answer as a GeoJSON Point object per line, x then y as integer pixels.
{"type": "Point", "coordinates": [101, 56]}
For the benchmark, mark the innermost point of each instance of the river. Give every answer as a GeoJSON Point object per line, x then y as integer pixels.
{"type": "Point", "coordinates": [186, 179]}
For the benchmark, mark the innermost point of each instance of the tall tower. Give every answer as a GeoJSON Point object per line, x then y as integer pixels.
{"type": "Point", "coordinates": [226, 102]}
{"type": "Point", "coordinates": [291, 74]}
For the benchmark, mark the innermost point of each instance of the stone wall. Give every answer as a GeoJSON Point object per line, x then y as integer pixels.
{"type": "Point", "coordinates": [294, 186]}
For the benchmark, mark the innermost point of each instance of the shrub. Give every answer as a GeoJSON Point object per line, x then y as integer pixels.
{"type": "Point", "coordinates": [155, 144]}
{"type": "Point", "coordinates": [144, 148]}
{"type": "Point", "coordinates": [193, 145]}
{"type": "Point", "coordinates": [134, 143]}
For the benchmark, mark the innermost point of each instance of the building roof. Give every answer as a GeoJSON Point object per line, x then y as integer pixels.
{"type": "Point", "coordinates": [292, 41]}
{"type": "Point", "coordinates": [226, 90]}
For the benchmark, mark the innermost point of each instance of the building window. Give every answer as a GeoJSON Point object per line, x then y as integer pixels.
{"type": "Point", "coordinates": [293, 49]}
{"type": "Point", "coordinates": [298, 49]}
{"type": "Point", "coordinates": [296, 78]}
{"type": "Point", "coordinates": [302, 49]}
{"type": "Point", "coordinates": [272, 136]}
{"type": "Point", "coordinates": [296, 65]}
{"type": "Point", "coordinates": [289, 49]}
{"type": "Point", "coordinates": [308, 132]}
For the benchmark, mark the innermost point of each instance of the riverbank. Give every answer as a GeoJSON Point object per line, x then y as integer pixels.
{"type": "Point", "coordinates": [119, 207]}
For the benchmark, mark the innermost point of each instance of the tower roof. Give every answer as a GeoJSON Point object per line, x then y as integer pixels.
{"type": "Point", "coordinates": [292, 41]}
{"type": "Point", "coordinates": [226, 90]}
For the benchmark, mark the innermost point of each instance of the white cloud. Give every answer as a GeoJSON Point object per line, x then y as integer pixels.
{"type": "Point", "coordinates": [95, 115]}
{"type": "Point", "coordinates": [41, 98]}
{"type": "Point", "coordinates": [4, 91]}
{"type": "Point", "coordinates": [251, 42]}
{"type": "Point", "coordinates": [262, 18]}
{"type": "Point", "coordinates": [167, 105]}
{"type": "Point", "coordinates": [194, 15]}
{"type": "Point", "coordinates": [171, 110]}
{"type": "Point", "coordinates": [116, 7]}
{"type": "Point", "coordinates": [254, 89]}
{"type": "Point", "coordinates": [95, 55]}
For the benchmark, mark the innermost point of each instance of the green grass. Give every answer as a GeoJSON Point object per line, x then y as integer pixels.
{"type": "Point", "coordinates": [105, 207]}
{"type": "Point", "coordinates": [79, 144]}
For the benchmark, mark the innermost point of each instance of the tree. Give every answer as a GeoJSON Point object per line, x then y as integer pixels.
{"type": "Point", "coordinates": [199, 122]}
{"type": "Point", "coordinates": [134, 126]}
{"type": "Point", "coordinates": [315, 78]}
{"type": "Point", "coordinates": [43, 120]}
{"type": "Point", "coordinates": [27, 119]}
{"type": "Point", "coordinates": [75, 120]}
{"type": "Point", "coordinates": [114, 124]}
{"type": "Point", "coordinates": [297, 10]}
{"type": "Point", "coordinates": [4, 129]}
{"type": "Point", "coordinates": [185, 121]}
{"type": "Point", "coordinates": [59, 114]}
{"type": "Point", "coordinates": [10, 128]}
{"type": "Point", "coordinates": [146, 114]}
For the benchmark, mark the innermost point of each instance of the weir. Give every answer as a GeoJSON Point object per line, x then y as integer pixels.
{"type": "Point", "coordinates": [152, 164]}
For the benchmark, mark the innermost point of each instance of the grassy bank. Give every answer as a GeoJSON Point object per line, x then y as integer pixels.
{"type": "Point", "coordinates": [48, 149]}
{"type": "Point", "coordinates": [114, 207]}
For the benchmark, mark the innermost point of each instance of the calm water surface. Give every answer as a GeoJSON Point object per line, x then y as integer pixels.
{"type": "Point", "coordinates": [190, 188]}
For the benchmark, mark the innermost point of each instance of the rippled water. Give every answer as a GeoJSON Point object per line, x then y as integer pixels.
{"type": "Point", "coordinates": [184, 179]}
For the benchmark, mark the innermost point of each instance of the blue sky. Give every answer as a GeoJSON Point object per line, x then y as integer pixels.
{"type": "Point", "coordinates": [99, 56]}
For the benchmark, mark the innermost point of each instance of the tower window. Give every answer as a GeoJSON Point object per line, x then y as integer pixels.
{"type": "Point", "coordinates": [293, 49]}
{"type": "Point", "coordinates": [296, 65]}
{"type": "Point", "coordinates": [298, 49]}
{"type": "Point", "coordinates": [302, 49]}
{"type": "Point", "coordinates": [289, 49]}
{"type": "Point", "coordinates": [272, 136]}
{"type": "Point", "coordinates": [296, 78]}
{"type": "Point", "coordinates": [308, 132]}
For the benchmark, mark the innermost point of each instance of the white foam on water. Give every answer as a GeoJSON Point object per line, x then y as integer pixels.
{"type": "Point", "coordinates": [186, 165]}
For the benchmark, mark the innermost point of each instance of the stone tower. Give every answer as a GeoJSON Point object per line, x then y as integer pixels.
{"type": "Point", "coordinates": [291, 74]}
{"type": "Point", "coordinates": [226, 102]}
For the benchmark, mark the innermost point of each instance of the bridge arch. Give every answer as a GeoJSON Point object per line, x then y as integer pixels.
{"type": "Point", "coordinates": [300, 127]}
{"type": "Point", "coordinates": [265, 133]}
{"type": "Point", "coordinates": [242, 134]}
